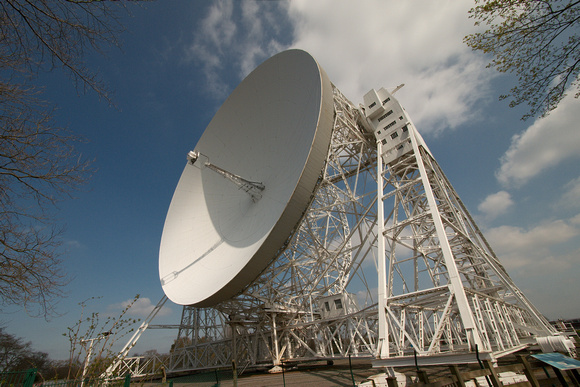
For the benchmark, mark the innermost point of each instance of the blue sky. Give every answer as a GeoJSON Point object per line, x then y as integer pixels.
{"type": "Point", "coordinates": [180, 60]}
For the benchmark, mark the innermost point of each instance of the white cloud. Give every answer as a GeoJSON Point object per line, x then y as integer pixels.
{"type": "Point", "coordinates": [536, 249]}
{"type": "Point", "coordinates": [543, 262]}
{"type": "Point", "coordinates": [377, 44]}
{"type": "Point", "coordinates": [235, 37]}
{"type": "Point", "coordinates": [571, 196]}
{"type": "Point", "coordinates": [214, 32]}
{"type": "Point", "coordinates": [575, 220]}
{"type": "Point", "coordinates": [545, 144]}
{"type": "Point", "coordinates": [74, 245]}
{"type": "Point", "coordinates": [141, 308]}
{"type": "Point", "coordinates": [495, 204]}
{"type": "Point", "coordinates": [372, 44]}
{"type": "Point", "coordinates": [218, 26]}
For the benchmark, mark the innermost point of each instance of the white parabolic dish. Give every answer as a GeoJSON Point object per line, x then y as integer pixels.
{"type": "Point", "coordinates": [275, 129]}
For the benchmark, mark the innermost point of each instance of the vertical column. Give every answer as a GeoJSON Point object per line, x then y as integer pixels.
{"type": "Point", "coordinates": [275, 341]}
{"type": "Point", "coordinates": [455, 284]}
{"type": "Point", "coordinates": [383, 343]}
{"type": "Point", "coordinates": [481, 321]}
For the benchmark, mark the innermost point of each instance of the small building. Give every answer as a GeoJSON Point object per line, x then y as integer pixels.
{"type": "Point", "coordinates": [337, 305]}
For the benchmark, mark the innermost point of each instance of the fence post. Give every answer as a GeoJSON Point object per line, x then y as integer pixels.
{"type": "Point", "coordinates": [234, 373]}
{"type": "Point", "coordinates": [351, 374]}
{"type": "Point", "coordinates": [493, 374]}
{"type": "Point", "coordinates": [30, 377]}
{"type": "Point", "coordinates": [127, 382]}
{"type": "Point", "coordinates": [392, 381]}
{"type": "Point", "coordinates": [528, 371]}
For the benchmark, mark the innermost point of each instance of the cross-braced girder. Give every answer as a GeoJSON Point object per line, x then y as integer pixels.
{"type": "Point", "coordinates": [444, 290]}
{"type": "Point", "coordinates": [282, 315]}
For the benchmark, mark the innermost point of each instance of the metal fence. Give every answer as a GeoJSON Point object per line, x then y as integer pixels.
{"type": "Point", "coordinates": [206, 379]}
{"type": "Point", "coordinates": [316, 374]}
{"type": "Point", "coordinates": [89, 382]}
{"type": "Point", "coordinates": [17, 379]}
{"type": "Point", "coordinates": [27, 379]}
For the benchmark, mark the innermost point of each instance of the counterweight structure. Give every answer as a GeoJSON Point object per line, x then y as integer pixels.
{"type": "Point", "coordinates": [382, 205]}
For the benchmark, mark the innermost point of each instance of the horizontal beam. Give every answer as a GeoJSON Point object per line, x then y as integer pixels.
{"type": "Point", "coordinates": [443, 359]}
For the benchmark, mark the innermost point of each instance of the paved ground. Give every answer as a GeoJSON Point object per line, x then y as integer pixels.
{"type": "Point", "coordinates": [315, 374]}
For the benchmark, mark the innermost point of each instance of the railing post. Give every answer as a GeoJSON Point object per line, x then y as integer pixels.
{"type": "Point", "coordinates": [528, 371]}
{"type": "Point", "coordinates": [493, 374]}
{"type": "Point", "coordinates": [30, 377]}
{"type": "Point", "coordinates": [127, 382]}
{"type": "Point", "coordinates": [234, 373]}
{"type": "Point", "coordinates": [560, 376]}
{"type": "Point", "coordinates": [423, 377]}
{"type": "Point", "coordinates": [421, 374]}
{"type": "Point", "coordinates": [392, 381]}
{"type": "Point", "coordinates": [459, 378]}
{"type": "Point", "coordinates": [351, 374]}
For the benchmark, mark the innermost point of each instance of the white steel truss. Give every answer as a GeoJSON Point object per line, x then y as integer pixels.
{"type": "Point", "coordinates": [301, 306]}
{"type": "Point", "coordinates": [441, 289]}
{"type": "Point", "coordinates": [420, 291]}
{"type": "Point", "coordinates": [446, 291]}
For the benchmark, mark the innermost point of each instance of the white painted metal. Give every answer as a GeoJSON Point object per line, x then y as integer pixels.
{"type": "Point", "coordinates": [380, 203]}
{"type": "Point", "coordinates": [120, 364]}
{"type": "Point", "coordinates": [300, 306]}
{"type": "Point", "coordinates": [446, 291]}
{"type": "Point", "coordinates": [383, 339]}
{"type": "Point", "coordinates": [271, 135]}
{"type": "Point", "coordinates": [282, 315]}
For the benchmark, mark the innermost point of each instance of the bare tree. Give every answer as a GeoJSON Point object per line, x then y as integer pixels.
{"type": "Point", "coordinates": [536, 40]}
{"type": "Point", "coordinates": [46, 34]}
{"type": "Point", "coordinates": [12, 349]}
{"type": "Point", "coordinates": [39, 165]}
{"type": "Point", "coordinates": [92, 339]}
{"type": "Point", "coordinates": [16, 355]}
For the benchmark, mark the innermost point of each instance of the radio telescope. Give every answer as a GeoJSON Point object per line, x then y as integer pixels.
{"type": "Point", "coordinates": [305, 227]}
{"type": "Point", "coordinates": [248, 181]}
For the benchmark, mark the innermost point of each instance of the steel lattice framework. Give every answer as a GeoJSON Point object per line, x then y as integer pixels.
{"type": "Point", "coordinates": [382, 205]}
{"type": "Point", "coordinates": [445, 290]}
{"type": "Point", "coordinates": [299, 307]}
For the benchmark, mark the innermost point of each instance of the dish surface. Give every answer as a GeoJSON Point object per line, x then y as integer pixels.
{"type": "Point", "coordinates": [274, 129]}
